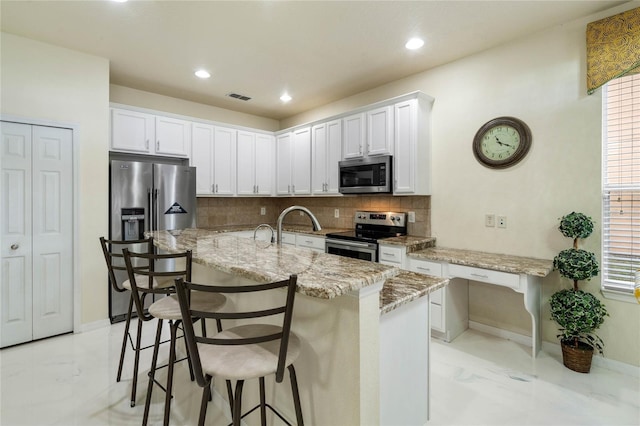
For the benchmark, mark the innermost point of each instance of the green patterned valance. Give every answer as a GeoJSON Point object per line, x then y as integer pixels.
{"type": "Point", "coordinates": [613, 48]}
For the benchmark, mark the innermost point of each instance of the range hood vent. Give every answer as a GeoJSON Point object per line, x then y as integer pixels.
{"type": "Point", "coordinates": [239, 96]}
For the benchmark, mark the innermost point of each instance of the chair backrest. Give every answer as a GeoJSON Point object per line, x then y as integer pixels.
{"type": "Point", "coordinates": [146, 278]}
{"type": "Point", "coordinates": [112, 250]}
{"type": "Point", "coordinates": [184, 288]}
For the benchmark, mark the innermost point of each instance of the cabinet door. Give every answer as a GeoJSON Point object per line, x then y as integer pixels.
{"type": "Point", "coordinates": [173, 136]}
{"type": "Point", "coordinates": [380, 131]}
{"type": "Point", "coordinates": [132, 131]}
{"type": "Point", "coordinates": [246, 163]}
{"type": "Point", "coordinates": [301, 161]}
{"type": "Point", "coordinates": [224, 161]}
{"type": "Point", "coordinates": [283, 164]}
{"type": "Point", "coordinates": [405, 158]}
{"type": "Point", "coordinates": [264, 159]}
{"type": "Point", "coordinates": [319, 158]}
{"type": "Point", "coordinates": [334, 153]}
{"type": "Point", "coordinates": [353, 136]}
{"type": "Point", "coordinates": [202, 157]}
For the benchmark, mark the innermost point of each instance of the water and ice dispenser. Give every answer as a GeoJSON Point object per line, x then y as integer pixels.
{"type": "Point", "coordinates": [132, 223]}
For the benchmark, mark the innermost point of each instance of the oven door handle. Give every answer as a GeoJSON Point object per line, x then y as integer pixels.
{"type": "Point", "coordinates": [350, 243]}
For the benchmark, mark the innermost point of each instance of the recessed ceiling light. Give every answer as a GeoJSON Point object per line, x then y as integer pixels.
{"type": "Point", "coordinates": [120, 1]}
{"type": "Point", "coordinates": [285, 98]}
{"type": "Point", "coordinates": [414, 43]}
{"type": "Point", "coordinates": [202, 74]}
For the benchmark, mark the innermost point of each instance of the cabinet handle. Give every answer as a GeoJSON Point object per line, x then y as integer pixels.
{"type": "Point", "coordinates": [389, 254]}
{"type": "Point", "coordinates": [158, 146]}
{"type": "Point", "coordinates": [257, 188]}
{"type": "Point", "coordinates": [146, 145]}
{"type": "Point", "coordinates": [293, 189]}
{"type": "Point", "coordinates": [213, 188]}
{"type": "Point", "coordinates": [424, 269]}
{"type": "Point", "coordinates": [480, 276]}
{"type": "Point", "coordinates": [15, 246]}
{"type": "Point", "coordinates": [216, 187]}
{"type": "Point", "coordinates": [289, 189]}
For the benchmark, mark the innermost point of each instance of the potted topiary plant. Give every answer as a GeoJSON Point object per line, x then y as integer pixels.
{"type": "Point", "coordinates": [578, 313]}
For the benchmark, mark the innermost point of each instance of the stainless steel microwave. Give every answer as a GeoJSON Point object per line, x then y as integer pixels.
{"type": "Point", "coordinates": [371, 175]}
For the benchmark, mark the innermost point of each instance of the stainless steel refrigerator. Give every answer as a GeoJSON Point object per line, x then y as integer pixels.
{"type": "Point", "coordinates": [147, 196]}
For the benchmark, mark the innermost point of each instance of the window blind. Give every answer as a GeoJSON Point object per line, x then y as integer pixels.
{"type": "Point", "coordinates": [621, 183]}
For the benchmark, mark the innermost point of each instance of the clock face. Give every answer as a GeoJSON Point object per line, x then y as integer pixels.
{"type": "Point", "coordinates": [502, 142]}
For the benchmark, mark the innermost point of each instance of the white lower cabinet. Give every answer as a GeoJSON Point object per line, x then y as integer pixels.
{"type": "Point", "coordinates": [310, 242]}
{"type": "Point", "coordinates": [391, 255]}
{"type": "Point", "coordinates": [450, 304]}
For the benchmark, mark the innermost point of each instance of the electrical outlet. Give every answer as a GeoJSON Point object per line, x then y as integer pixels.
{"type": "Point", "coordinates": [336, 213]}
{"type": "Point", "coordinates": [489, 220]}
{"type": "Point", "coordinates": [263, 211]}
{"type": "Point", "coordinates": [412, 217]}
{"type": "Point", "coordinates": [502, 221]}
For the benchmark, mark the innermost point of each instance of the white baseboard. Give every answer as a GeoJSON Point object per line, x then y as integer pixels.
{"type": "Point", "coordinates": [499, 332]}
{"type": "Point", "coordinates": [554, 348]}
{"type": "Point", "coordinates": [598, 360]}
{"type": "Point", "coordinates": [90, 326]}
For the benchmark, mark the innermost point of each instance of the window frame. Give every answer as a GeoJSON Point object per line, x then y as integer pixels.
{"type": "Point", "coordinates": [610, 288]}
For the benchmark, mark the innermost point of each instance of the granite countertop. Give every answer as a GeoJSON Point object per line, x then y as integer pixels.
{"type": "Point", "coordinates": [411, 242]}
{"type": "Point", "coordinates": [493, 261]}
{"type": "Point", "coordinates": [320, 275]}
{"type": "Point", "coordinates": [299, 229]}
{"type": "Point", "coordinates": [406, 287]}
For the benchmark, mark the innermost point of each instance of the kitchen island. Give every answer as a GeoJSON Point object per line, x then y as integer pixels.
{"type": "Point", "coordinates": [351, 355]}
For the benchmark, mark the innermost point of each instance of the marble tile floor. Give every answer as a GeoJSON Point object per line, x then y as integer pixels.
{"type": "Point", "coordinates": [476, 380]}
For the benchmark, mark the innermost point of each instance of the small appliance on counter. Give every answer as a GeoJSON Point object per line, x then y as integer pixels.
{"type": "Point", "coordinates": [362, 242]}
{"type": "Point", "coordinates": [146, 196]}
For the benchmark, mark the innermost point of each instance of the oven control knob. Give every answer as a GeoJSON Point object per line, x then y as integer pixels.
{"type": "Point", "coordinates": [394, 218]}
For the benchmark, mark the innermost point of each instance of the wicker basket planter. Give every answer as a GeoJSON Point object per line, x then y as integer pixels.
{"type": "Point", "coordinates": [577, 358]}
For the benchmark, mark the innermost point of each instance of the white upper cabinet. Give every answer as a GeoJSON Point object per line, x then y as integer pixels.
{"type": "Point", "coordinates": [138, 132]}
{"type": "Point", "coordinates": [412, 138]}
{"type": "Point", "coordinates": [255, 163]}
{"type": "Point", "coordinates": [293, 152]}
{"type": "Point", "coordinates": [380, 131]}
{"type": "Point", "coordinates": [213, 154]}
{"type": "Point", "coordinates": [326, 145]}
{"type": "Point", "coordinates": [173, 137]}
{"type": "Point", "coordinates": [132, 131]}
{"type": "Point", "coordinates": [353, 135]}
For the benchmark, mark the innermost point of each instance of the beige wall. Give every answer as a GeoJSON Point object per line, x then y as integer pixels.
{"type": "Point", "coordinates": [540, 79]}
{"type": "Point", "coordinates": [139, 98]}
{"type": "Point", "coordinates": [44, 82]}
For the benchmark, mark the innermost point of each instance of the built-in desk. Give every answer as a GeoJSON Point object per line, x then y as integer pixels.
{"type": "Point", "coordinates": [521, 274]}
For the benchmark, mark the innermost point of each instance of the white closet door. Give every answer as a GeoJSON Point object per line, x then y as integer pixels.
{"type": "Point", "coordinates": [16, 287]}
{"type": "Point", "coordinates": [37, 233]}
{"type": "Point", "coordinates": [52, 231]}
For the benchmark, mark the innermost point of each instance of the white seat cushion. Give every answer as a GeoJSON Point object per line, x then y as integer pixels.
{"type": "Point", "coordinates": [168, 308]}
{"type": "Point", "coordinates": [242, 362]}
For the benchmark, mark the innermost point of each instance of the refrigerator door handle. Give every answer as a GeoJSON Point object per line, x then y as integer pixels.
{"type": "Point", "coordinates": [156, 216]}
{"type": "Point", "coordinates": [149, 211]}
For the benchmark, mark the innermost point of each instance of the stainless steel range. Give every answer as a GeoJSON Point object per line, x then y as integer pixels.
{"type": "Point", "coordinates": [362, 242]}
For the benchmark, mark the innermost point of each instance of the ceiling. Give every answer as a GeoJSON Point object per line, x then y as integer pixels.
{"type": "Point", "coordinates": [317, 51]}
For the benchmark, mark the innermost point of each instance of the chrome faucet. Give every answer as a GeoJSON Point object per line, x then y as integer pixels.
{"type": "Point", "coordinates": [265, 225]}
{"type": "Point", "coordinates": [316, 224]}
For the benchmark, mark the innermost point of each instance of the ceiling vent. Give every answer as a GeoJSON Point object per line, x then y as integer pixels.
{"type": "Point", "coordinates": [238, 96]}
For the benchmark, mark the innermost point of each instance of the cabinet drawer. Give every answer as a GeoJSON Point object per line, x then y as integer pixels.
{"type": "Point", "coordinates": [310, 242]}
{"type": "Point", "coordinates": [288, 238]}
{"type": "Point", "coordinates": [436, 296]}
{"type": "Point", "coordinates": [425, 267]}
{"type": "Point", "coordinates": [485, 275]}
{"type": "Point", "coordinates": [390, 254]}
{"type": "Point", "coordinates": [436, 317]}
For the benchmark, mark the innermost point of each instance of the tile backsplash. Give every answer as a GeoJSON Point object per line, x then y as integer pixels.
{"type": "Point", "coordinates": [220, 211]}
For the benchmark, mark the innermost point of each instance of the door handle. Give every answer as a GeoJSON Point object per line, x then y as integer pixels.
{"type": "Point", "coordinates": [15, 246]}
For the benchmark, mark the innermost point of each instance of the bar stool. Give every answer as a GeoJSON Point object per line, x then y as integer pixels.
{"type": "Point", "coordinates": [112, 250]}
{"type": "Point", "coordinates": [243, 352]}
{"type": "Point", "coordinates": [166, 308]}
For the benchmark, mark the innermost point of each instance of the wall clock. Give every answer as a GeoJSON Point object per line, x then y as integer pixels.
{"type": "Point", "coordinates": [502, 142]}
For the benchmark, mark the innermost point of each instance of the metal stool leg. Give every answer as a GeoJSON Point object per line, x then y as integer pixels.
{"type": "Point", "coordinates": [296, 395]}
{"type": "Point", "coordinates": [173, 326]}
{"type": "Point", "coordinates": [206, 395]}
{"type": "Point", "coordinates": [136, 363]}
{"type": "Point", "coordinates": [152, 373]}
{"type": "Point", "coordinates": [237, 403]}
{"type": "Point", "coordinates": [263, 405]}
{"type": "Point", "coordinates": [124, 339]}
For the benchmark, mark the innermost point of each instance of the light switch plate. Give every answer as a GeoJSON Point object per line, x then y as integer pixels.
{"type": "Point", "coordinates": [336, 213]}
{"type": "Point", "coordinates": [489, 220]}
{"type": "Point", "coordinates": [412, 217]}
{"type": "Point", "coordinates": [263, 211]}
{"type": "Point", "coordinates": [502, 221]}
